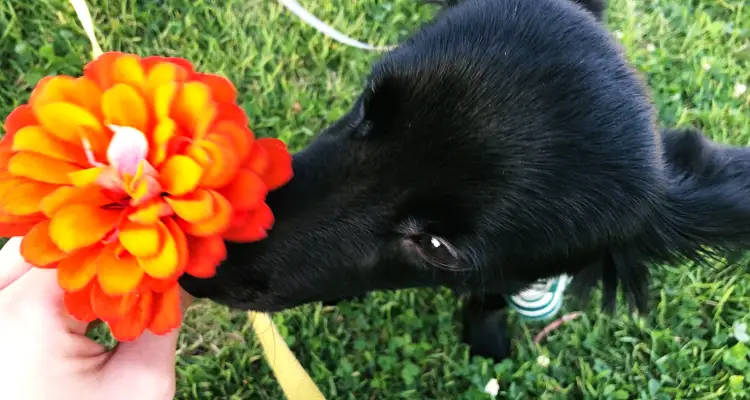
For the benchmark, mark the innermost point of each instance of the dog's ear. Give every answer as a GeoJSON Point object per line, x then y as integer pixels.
{"type": "Point", "coordinates": [595, 7]}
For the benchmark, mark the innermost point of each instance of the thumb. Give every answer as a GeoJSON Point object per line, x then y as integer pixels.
{"type": "Point", "coordinates": [12, 265]}
{"type": "Point", "coordinates": [148, 354]}
{"type": "Point", "coordinates": [146, 366]}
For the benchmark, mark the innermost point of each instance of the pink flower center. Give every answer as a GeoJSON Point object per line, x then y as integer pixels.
{"type": "Point", "coordinates": [128, 173]}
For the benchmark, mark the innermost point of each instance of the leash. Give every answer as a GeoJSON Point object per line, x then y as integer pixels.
{"type": "Point", "coordinates": [322, 27]}
{"type": "Point", "coordinates": [292, 377]}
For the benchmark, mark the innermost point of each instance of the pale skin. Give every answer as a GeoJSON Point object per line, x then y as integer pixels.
{"type": "Point", "coordinates": [44, 353]}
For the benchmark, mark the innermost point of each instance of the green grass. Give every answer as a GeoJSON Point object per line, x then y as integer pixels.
{"type": "Point", "coordinates": [293, 81]}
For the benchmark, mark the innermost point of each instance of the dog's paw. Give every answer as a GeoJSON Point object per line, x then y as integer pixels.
{"type": "Point", "coordinates": [487, 335]}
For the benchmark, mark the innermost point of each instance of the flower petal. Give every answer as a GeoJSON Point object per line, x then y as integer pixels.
{"type": "Point", "coordinates": [258, 159]}
{"type": "Point", "coordinates": [206, 253]}
{"type": "Point", "coordinates": [41, 168]}
{"type": "Point", "coordinates": [181, 243]}
{"type": "Point", "coordinates": [34, 139]}
{"type": "Point", "coordinates": [80, 225]}
{"type": "Point", "coordinates": [151, 61]}
{"type": "Point", "coordinates": [233, 113]}
{"type": "Point", "coordinates": [122, 105]}
{"type": "Point", "coordinates": [162, 285]}
{"type": "Point", "coordinates": [144, 186]}
{"type": "Point", "coordinates": [166, 262]}
{"type": "Point", "coordinates": [163, 132]}
{"type": "Point", "coordinates": [37, 249]}
{"type": "Point", "coordinates": [159, 285]}
{"type": "Point", "coordinates": [51, 89]}
{"type": "Point", "coordinates": [193, 207]}
{"type": "Point", "coordinates": [78, 304]}
{"type": "Point", "coordinates": [250, 226]}
{"type": "Point", "coordinates": [151, 211]}
{"type": "Point", "coordinates": [240, 137]}
{"type": "Point", "coordinates": [180, 175]}
{"type": "Point", "coordinates": [222, 89]}
{"type": "Point", "coordinates": [25, 199]}
{"type": "Point", "coordinates": [88, 176]}
{"type": "Point", "coordinates": [128, 70]}
{"type": "Point", "coordinates": [160, 74]}
{"type": "Point", "coordinates": [68, 195]}
{"type": "Point", "coordinates": [193, 109]}
{"type": "Point", "coordinates": [12, 229]}
{"type": "Point", "coordinates": [100, 70]}
{"type": "Point", "coordinates": [95, 142]}
{"type": "Point", "coordinates": [67, 120]}
{"type": "Point", "coordinates": [111, 308]}
{"type": "Point", "coordinates": [9, 182]}
{"type": "Point", "coordinates": [245, 191]}
{"type": "Point", "coordinates": [279, 170]}
{"type": "Point", "coordinates": [140, 240]}
{"type": "Point", "coordinates": [60, 88]}
{"type": "Point", "coordinates": [5, 155]}
{"type": "Point", "coordinates": [87, 94]}
{"type": "Point", "coordinates": [166, 311]}
{"type": "Point", "coordinates": [16, 219]}
{"type": "Point", "coordinates": [118, 274]}
{"type": "Point", "coordinates": [20, 117]}
{"type": "Point", "coordinates": [76, 271]}
{"type": "Point", "coordinates": [219, 163]}
{"type": "Point", "coordinates": [135, 321]}
{"type": "Point", "coordinates": [218, 222]}
{"type": "Point", "coordinates": [162, 99]}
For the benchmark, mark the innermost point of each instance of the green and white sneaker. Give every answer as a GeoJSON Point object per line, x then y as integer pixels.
{"type": "Point", "coordinates": [541, 300]}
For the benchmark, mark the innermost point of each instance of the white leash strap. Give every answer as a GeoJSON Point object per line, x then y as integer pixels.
{"type": "Point", "coordinates": [322, 27]}
{"type": "Point", "coordinates": [82, 11]}
{"type": "Point", "coordinates": [84, 15]}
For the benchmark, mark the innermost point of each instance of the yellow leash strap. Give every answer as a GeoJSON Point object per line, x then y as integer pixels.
{"type": "Point", "coordinates": [292, 377]}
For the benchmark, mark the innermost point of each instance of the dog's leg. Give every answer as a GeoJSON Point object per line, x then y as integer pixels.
{"type": "Point", "coordinates": [485, 326]}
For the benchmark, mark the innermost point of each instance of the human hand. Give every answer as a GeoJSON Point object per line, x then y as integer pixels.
{"type": "Point", "coordinates": [44, 353]}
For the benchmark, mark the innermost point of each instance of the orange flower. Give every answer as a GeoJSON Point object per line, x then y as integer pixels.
{"type": "Point", "coordinates": [129, 176]}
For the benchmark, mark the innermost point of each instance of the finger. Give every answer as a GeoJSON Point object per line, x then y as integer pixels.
{"type": "Point", "coordinates": [74, 326]}
{"type": "Point", "coordinates": [12, 265]}
{"type": "Point", "coordinates": [38, 286]}
{"type": "Point", "coordinates": [147, 361]}
{"type": "Point", "coordinates": [22, 279]}
{"type": "Point", "coordinates": [186, 300]}
{"type": "Point", "coordinates": [35, 289]}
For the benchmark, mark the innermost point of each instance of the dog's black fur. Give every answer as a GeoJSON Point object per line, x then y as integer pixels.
{"type": "Point", "coordinates": [505, 142]}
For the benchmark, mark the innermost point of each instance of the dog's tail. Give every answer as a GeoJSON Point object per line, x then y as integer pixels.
{"type": "Point", "coordinates": [708, 202]}
{"type": "Point", "coordinates": [705, 217]}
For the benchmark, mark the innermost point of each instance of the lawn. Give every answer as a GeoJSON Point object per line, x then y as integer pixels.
{"type": "Point", "coordinates": [695, 55]}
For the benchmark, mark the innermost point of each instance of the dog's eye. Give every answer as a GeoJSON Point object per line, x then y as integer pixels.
{"type": "Point", "coordinates": [437, 251]}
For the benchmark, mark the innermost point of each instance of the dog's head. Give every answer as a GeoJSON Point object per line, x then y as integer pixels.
{"type": "Point", "coordinates": [504, 142]}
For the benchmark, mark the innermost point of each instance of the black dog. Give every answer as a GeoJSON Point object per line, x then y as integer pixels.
{"type": "Point", "coordinates": [507, 141]}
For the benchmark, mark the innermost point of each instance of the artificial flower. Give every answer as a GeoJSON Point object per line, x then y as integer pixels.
{"type": "Point", "coordinates": [129, 176]}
